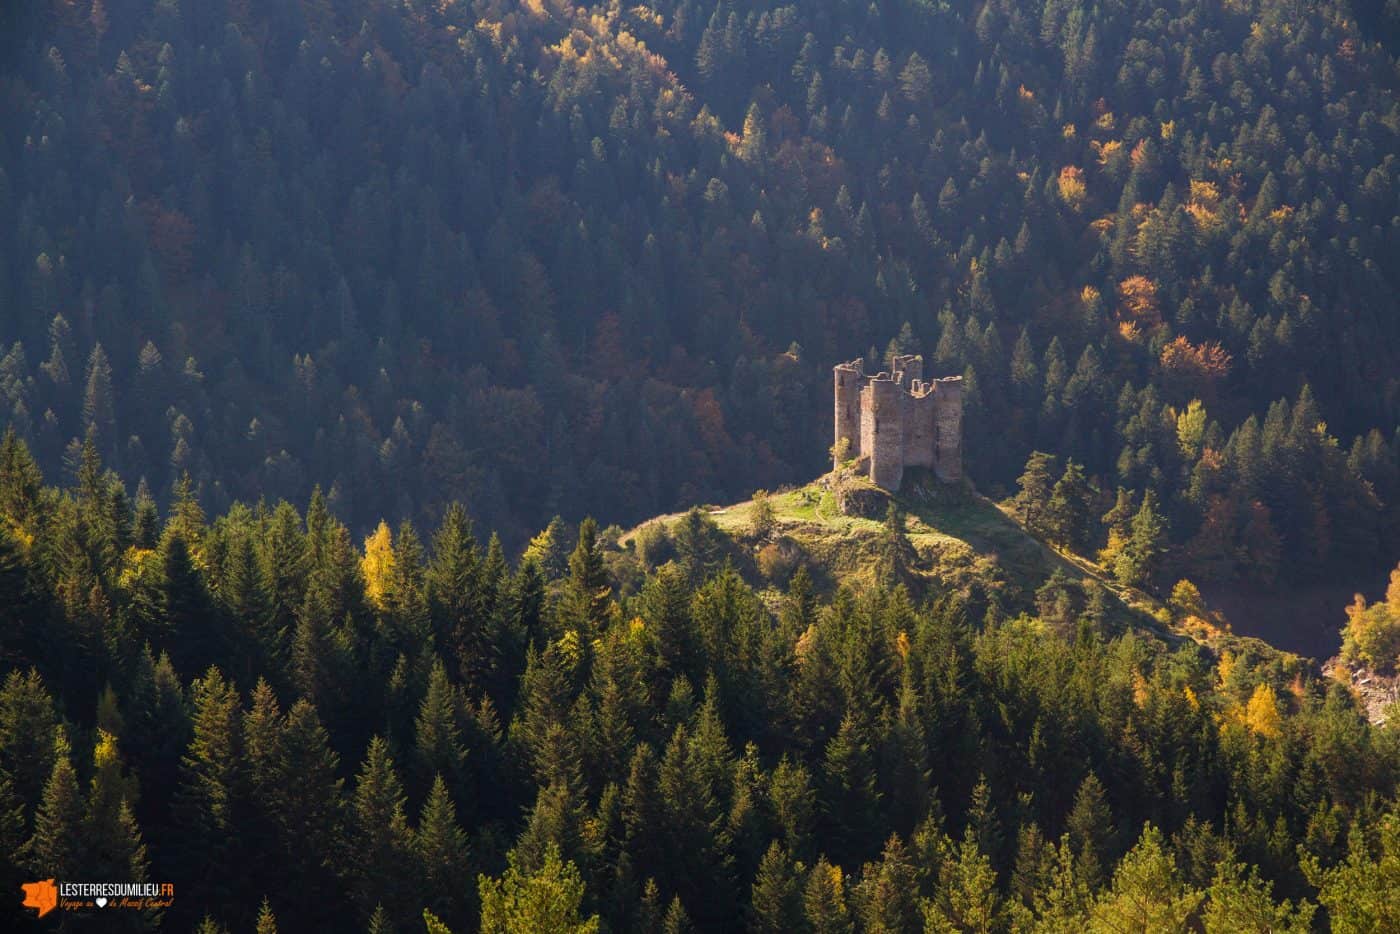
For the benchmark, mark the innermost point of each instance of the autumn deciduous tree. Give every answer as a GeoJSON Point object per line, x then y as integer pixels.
{"type": "Point", "coordinates": [1138, 303]}
{"type": "Point", "coordinates": [1371, 635]}
{"type": "Point", "coordinates": [1071, 186]}
{"type": "Point", "coordinates": [377, 566]}
{"type": "Point", "coordinates": [1194, 369]}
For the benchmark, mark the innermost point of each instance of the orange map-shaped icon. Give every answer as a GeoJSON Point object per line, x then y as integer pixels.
{"type": "Point", "coordinates": [42, 895]}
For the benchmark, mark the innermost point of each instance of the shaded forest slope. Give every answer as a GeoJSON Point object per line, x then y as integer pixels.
{"type": "Point", "coordinates": [556, 258]}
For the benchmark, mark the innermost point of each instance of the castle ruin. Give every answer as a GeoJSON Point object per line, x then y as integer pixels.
{"type": "Point", "coordinates": [890, 421]}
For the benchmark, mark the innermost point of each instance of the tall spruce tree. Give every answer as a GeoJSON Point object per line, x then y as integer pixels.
{"type": "Point", "coordinates": [56, 848]}
{"type": "Point", "coordinates": [587, 592]}
{"type": "Point", "coordinates": [1037, 484]}
{"type": "Point", "coordinates": [453, 595]}
{"type": "Point", "coordinates": [443, 854]}
{"type": "Point", "coordinates": [381, 841]}
{"type": "Point", "coordinates": [210, 802]}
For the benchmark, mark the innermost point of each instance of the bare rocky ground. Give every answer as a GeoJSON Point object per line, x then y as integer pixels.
{"type": "Point", "coordinates": [1377, 692]}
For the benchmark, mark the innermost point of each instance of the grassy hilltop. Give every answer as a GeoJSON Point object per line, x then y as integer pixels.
{"type": "Point", "coordinates": [955, 541]}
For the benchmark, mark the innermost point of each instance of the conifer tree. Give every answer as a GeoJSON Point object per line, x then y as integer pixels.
{"type": "Point", "coordinates": [650, 912]}
{"type": "Point", "coordinates": [905, 759]}
{"type": "Point", "coordinates": [438, 748]}
{"type": "Point", "coordinates": [1090, 828]}
{"type": "Point", "coordinates": [28, 733]}
{"type": "Point", "coordinates": [209, 805]}
{"type": "Point", "coordinates": [1140, 560]}
{"type": "Point", "coordinates": [156, 735]}
{"type": "Point", "coordinates": [263, 724]}
{"type": "Point", "coordinates": [111, 838]}
{"type": "Point", "coordinates": [408, 602]}
{"type": "Point", "coordinates": [318, 524]}
{"type": "Point", "coordinates": [549, 550]}
{"type": "Point", "coordinates": [1030, 873]}
{"type": "Point", "coordinates": [775, 906]}
{"type": "Point", "coordinates": [794, 804]}
{"type": "Point", "coordinates": [851, 796]}
{"type": "Point", "coordinates": [1067, 512]}
{"type": "Point", "coordinates": [1036, 483]}
{"type": "Point", "coordinates": [247, 604]}
{"type": "Point", "coordinates": [547, 899]}
{"type": "Point", "coordinates": [1241, 901]}
{"type": "Point", "coordinates": [56, 849]}
{"type": "Point", "coordinates": [1118, 522]}
{"type": "Point", "coordinates": [267, 921]}
{"type": "Point", "coordinates": [887, 895]}
{"type": "Point", "coordinates": [21, 483]}
{"type": "Point", "coordinates": [12, 839]}
{"type": "Point", "coordinates": [262, 729]}
{"type": "Point", "coordinates": [824, 900]}
{"type": "Point", "coordinates": [186, 520]}
{"type": "Point", "coordinates": [982, 820]}
{"type": "Point", "coordinates": [664, 605]}
{"type": "Point", "coordinates": [317, 648]}
{"type": "Point", "coordinates": [587, 593]}
{"type": "Point", "coordinates": [641, 807]}
{"type": "Point", "coordinates": [967, 899]}
{"type": "Point", "coordinates": [307, 806]}
{"type": "Point", "coordinates": [442, 852]}
{"type": "Point", "coordinates": [525, 609]}
{"type": "Point", "coordinates": [381, 841]}
{"type": "Point", "coordinates": [195, 627]}
{"type": "Point", "coordinates": [452, 587]}
{"type": "Point", "coordinates": [62, 350]}
{"type": "Point", "coordinates": [546, 695]}
{"type": "Point", "coordinates": [896, 553]}
{"type": "Point", "coordinates": [677, 919]}
{"type": "Point", "coordinates": [698, 550]}
{"type": "Point", "coordinates": [99, 405]}
{"type": "Point", "coordinates": [1062, 905]}
{"type": "Point", "coordinates": [1147, 892]}
{"type": "Point", "coordinates": [283, 567]}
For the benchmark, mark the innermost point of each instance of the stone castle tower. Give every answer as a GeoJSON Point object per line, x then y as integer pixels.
{"type": "Point", "coordinates": [895, 420]}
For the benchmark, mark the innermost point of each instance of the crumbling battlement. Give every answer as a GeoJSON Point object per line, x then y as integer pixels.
{"type": "Point", "coordinates": [890, 421]}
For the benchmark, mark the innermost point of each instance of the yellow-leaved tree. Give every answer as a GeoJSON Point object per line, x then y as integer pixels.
{"type": "Point", "coordinates": [1372, 633]}
{"type": "Point", "coordinates": [378, 566]}
{"type": "Point", "coordinates": [1261, 713]}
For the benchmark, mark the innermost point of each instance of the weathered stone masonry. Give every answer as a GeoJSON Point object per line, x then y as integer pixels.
{"type": "Point", "coordinates": [895, 420]}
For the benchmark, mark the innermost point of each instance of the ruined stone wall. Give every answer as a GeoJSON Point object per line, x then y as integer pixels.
{"type": "Point", "coordinates": [882, 421]}
{"type": "Point", "coordinates": [919, 434]}
{"type": "Point", "coordinates": [848, 385]}
{"type": "Point", "coordinates": [909, 369]}
{"type": "Point", "coordinates": [867, 421]}
{"type": "Point", "coordinates": [948, 406]}
{"type": "Point", "coordinates": [894, 420]}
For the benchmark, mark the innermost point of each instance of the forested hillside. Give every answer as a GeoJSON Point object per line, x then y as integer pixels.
{"type": "Point", "coordinates": [600, 259]}
{"type": "Point", "coordinates": [303, 735]}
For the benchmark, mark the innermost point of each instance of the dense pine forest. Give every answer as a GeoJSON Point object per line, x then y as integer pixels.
{"type": "Point", "coordinates": [304, 735]}
{"type": "Point", "coordinates": [598, 259]}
